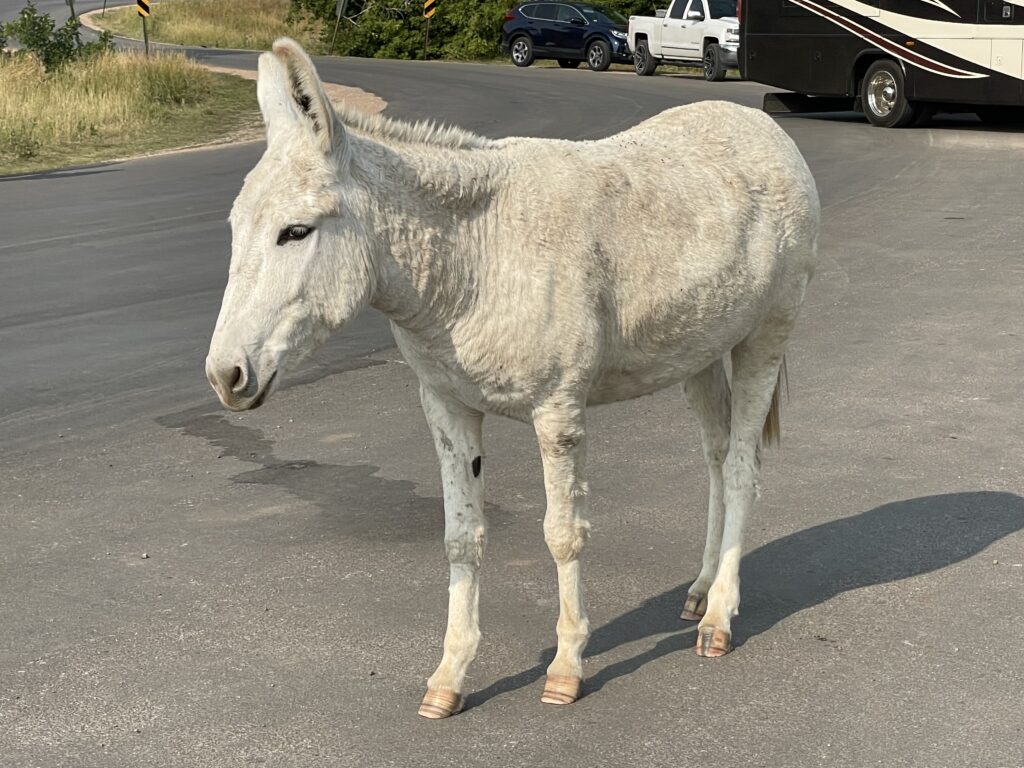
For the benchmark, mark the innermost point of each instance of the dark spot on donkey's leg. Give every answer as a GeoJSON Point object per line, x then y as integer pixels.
{"type": "Point", "coordinates": [476, 467]}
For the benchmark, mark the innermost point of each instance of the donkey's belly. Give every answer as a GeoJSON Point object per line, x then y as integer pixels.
{"type": "Point", "coordinates": [616, 384]}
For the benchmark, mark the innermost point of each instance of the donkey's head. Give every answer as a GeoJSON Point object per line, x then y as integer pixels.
{"type": "Point", "coordinates": [300, 261]}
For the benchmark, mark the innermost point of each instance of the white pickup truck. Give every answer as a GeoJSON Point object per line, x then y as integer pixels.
{"type": "Point", "coordinates": [691, 32]}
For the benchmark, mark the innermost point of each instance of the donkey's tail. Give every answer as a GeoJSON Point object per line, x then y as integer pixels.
{"type": "Point", "coordinates": [771, 434]}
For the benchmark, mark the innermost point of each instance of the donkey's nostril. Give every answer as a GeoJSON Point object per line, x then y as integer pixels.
{"type": "Point", "coordinates": [237, 379]}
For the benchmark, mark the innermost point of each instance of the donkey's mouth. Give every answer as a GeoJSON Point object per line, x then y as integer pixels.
{"type": "Point", "coordinates": [261, 398]}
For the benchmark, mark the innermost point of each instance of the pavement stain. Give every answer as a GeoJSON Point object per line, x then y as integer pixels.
{"type": "Point", "coordinates": [354, 500]}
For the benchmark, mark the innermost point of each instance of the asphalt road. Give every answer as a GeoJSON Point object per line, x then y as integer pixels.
{"type": "Point", "coordinates": [187, 587]}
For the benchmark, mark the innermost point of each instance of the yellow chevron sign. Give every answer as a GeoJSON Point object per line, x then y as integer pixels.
{"type": "Point", "coordinates": [429, 7]}
{"type": "Point", "coordinates": [142, 7]}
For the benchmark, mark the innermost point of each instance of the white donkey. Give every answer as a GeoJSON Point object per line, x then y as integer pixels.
{"type": "Point", "coordinates": [530, 278]}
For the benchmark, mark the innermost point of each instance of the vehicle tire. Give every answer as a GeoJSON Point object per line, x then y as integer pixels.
{"type": "Point", "coordinates": [643, 62]}
{"type": "Point", "coordinates": [521, 50]}
{"type": "Point", "coordinates": [599, 55]}
{"type": "Point", "coordinates": [569, 63]}
{"type": "Point", "coordinates": [714, 69]}
{"type": "Point", "coordinates": [883, 96]}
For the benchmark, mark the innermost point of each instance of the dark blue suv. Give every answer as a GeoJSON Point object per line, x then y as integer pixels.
{"type": "Point", "coordinates": [568, 32]}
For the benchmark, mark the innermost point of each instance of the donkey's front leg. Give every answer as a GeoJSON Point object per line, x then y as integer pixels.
{"type": "Point", "coordinates": [561, 436]}
{"type": "Point", "coordinates": [457, 438]}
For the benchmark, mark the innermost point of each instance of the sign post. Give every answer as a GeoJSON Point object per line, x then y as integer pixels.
{"type": "Point", "coordinates": [339, 10]}
{"type": "Point", "coordinates": [142, 6]}
{"type": "Point", "coordinates": [429, 9]}
{"type": "Point", "coordinates": [74, 17]}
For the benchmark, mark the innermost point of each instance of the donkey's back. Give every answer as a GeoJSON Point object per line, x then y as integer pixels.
{"type": "Point", "coordinates": [687, 231]}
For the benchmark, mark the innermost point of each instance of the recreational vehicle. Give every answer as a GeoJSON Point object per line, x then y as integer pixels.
{"type": "Point", "coordinates": [896, 60]}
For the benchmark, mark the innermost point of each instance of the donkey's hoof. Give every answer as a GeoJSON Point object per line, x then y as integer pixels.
{"type": "Point", "coordinates": [439, 704]}
{"type": "Point", "coordinates": [694, 607]}
{"type": "Point", "coordinates": [561, 689]}
{"type": "Point", "coordinates": [712, 642]}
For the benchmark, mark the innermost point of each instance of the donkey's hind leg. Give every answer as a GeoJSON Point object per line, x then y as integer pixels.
{"type": "Point", "coordinates": [709, 396]}
{"type": "Point", "coordinates": [562, 440]}
{"type": "Point", "coordinates": [755, 376]}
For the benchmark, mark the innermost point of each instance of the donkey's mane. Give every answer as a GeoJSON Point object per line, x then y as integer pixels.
{"type": "Point", "coordinates": [420, 132]}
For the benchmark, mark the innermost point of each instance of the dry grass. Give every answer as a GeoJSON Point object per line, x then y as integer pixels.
{"type": "Point", "coordinates": [113, 105]}
{"type": "Point", "coordinates": [214, 24]}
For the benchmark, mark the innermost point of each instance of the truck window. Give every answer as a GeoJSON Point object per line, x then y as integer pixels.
{"type": "Point", "coordinates": [698, 7]}
{"type": "Point", "coordinates": [720, 9]}
{"type": "Point", "coordinates": [677, 9]}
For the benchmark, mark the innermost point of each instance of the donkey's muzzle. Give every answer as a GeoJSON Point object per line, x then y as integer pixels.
{"type": "Point", "coordinates": [237, 384]}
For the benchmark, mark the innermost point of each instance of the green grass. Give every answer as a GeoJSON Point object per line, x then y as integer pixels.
{"type": "Point", "coordinates": [114, 105]}
{"type": "Point", "coordinates": [254, 24]}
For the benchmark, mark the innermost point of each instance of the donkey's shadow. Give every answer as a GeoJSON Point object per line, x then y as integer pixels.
{"type": "Point", "coordinates": [888, 543]}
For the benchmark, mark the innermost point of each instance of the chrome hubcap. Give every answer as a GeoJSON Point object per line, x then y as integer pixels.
{"type": "Point", "coordinates": [519, 51]}
{"type": "Point", "coordinates": [596, 56]}
{"type": "Point", "coordinates": [881, 93]}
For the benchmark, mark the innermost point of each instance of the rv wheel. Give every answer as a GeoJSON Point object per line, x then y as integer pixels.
{"type": "Point", "coordinates": [883, 96]}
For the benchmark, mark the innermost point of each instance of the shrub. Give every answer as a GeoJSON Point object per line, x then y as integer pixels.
{"type": "Point", "coordinates": [53, 46]}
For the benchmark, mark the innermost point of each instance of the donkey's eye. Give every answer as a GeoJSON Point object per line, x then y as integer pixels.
{"type": "Point", "coordinates": [294, 232]}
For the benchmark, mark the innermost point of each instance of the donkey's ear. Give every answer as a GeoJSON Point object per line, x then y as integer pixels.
{"type": "Point", "coordinates": [290, 93]}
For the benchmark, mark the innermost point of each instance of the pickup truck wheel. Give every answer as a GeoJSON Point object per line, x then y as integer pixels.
{"type": "Point", "coordinates": [714, 69]}
{"type": "Point", "coordinates": [599, 55]}
{"type": "Point", "coordinates": [643, 62]}
{"type": "Point", "coordinates": [522, 51]}
{"type": "Point", "coordinates": [883, 96]}
{"type": "Point", "coordinates": [568, 63]}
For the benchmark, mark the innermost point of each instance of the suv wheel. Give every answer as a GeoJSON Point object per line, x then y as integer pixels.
{"type": "Point", "coordinates": [883, 96]}
{"type": "Point", "coordinates": [643, 62]}
{"type": "Point", "coordinates": [522, 51]}
{"type": "Point", "coordinates": [599, 55]}
{"type": "Point", "coordinates": [714, 69]}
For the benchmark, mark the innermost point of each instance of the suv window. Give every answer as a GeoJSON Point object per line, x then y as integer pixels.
{"type": "Point", "coordinates": [568, 13]}
{"type": "Point", "coordinates": [545, 11]}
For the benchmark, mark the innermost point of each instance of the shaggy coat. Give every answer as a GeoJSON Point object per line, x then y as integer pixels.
{"type": "Point", "coordinates": [530, 278]}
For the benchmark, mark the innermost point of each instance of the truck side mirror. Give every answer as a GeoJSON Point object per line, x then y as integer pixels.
{"type": "Point", "coordinates": [694, 16]}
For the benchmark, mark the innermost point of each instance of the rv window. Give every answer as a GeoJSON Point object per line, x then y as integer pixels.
{"type": "Point", "coordinates": [998, 12]}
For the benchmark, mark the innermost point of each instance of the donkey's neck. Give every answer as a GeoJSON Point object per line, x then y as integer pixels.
{"type": "Point", "coordinates": [425, 206]}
